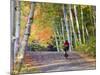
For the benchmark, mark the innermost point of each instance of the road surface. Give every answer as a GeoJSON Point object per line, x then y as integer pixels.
{"type": "Point", "coordinates": [54, 61]}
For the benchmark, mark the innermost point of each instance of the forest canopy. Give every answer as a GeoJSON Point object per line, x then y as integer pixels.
{"type": "Point", "coordinates": [54, 23]}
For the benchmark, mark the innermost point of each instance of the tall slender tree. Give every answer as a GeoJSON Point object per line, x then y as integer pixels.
{"type": "Point", "coordinates": [17, 30]}
{"type": "Point", "coordinates": [59, 39]}
{"type": "Point", "coordinates": [94, 15]}
{"type": "Point", "coordinates": [83, 35]}
{"type": "Point", "coordinates": [77, 24]}
{"type": "Point", "coordinates": [56, 40]}
{"type": "Point", "coordinates": [66, 24]}
{"type": "Point", "coordinates": [12, 19]}
{"type": "Point", "coordinates": [72, 25]}
{"type": "Point", "coordinates": [62, 24]}
{"type": "Point", "coordinates": [70, 31]}
{"type": "Point", "coordinates": [87, 33]}
{"type": "Point", "coordinates": [94, 19]}
{"type": "Point", "coordinates": [24, 41]}
{"type": "Point", "coordinates": [55, 35]}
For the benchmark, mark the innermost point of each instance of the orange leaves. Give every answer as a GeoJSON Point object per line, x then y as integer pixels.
{"type": "Point", "coordinates": [26, 10]}
{"type": "Point", "coordinates": [42, 35]}
{"type": "Point", "coordinates": [37, 13]}
{"type": "Point", "coordinates": [45, 34]}
{"type": "Point", "coordinates": [25, 18]}
{"type": "Point", "coordinates": [33, 27]}
{"type": "Point", "coordinates": [41, 29]}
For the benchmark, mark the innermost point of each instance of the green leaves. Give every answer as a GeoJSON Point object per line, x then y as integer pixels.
{"type": "Point", "coordinates": [89, 48]}
{"type": "Point", "coordinates": [50, 14]}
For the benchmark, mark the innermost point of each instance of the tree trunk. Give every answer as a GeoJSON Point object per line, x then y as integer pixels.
{"type": "Point", "coordinates": [60, 40]}
{"type": "Point", "coordinates": [62, 34]}
{"type": "Point", "coordinates": [62, 24]}
{"type": "Point", "coordinates": [82, 26]}
{"type": "Point", "coordinates": [66, 24]}
{"type": "Point", "coordinates": [94, 16]}
{"type": "Point", "coordinates": [55, 34]}
{"type": "Point", "coordinates": [70, 31]}
{"type": "Point", "coordinates": [94, 19]}
{"type": "Point", "coordinates": [17, 30]}
{"type": "Point", "coordinates": [77, 23]}
{"type": "Point", "coordinates": [24, 42]}
{"type": "Point", "coordinates": [87, 33]}
{"type": "Point", "coordinates": [12, 19]}
{"type": "Point", "coordinates": [57, 45]}
{"type": "Point", "coordinates": [72, 25]}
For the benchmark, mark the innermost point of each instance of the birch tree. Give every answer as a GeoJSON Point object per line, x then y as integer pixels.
{"type": "Point", "coordinates": [70, 31]}
{"type": "Point", "coordinates": [12, 19]}
{"type": "Point", "coordinates": [92, 17]}
{"type": "Point", "coordinates": [59, 39]}
{"type": "Point", "coordinates": [83, 35]}
{"type": "Point", "coordinates": [56, 40]}
{"type": "Point", "coordinates": [62, 24]}
{"type": "Point", "coordinates": [77, 23]}
{"type": "Point", "coordinates": [20, 55]}
{"type": "Point", "coordinates": [72, 24]}
{"type": "Point", "coordinates": [87, 33]}
{"type": "Point", "coordinates": [55, 35]}
{"type": "Point", "coordinates": [66, 24]}
{"type": "Point", "coordinates": [17, 30]}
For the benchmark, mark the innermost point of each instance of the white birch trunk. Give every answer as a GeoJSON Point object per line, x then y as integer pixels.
{"type": "Point", "coordinates": [94, 19]}
{"type": "Point", "coordinates": [56, 41]}
{"type": "Point", "coordinates": [93, 11]}
{"type": "Point", "coordinates": [12, 21]}
{"type": "Point", "coordinates": [66, 24]}
{"type": "Point", "coordinates": [62, 29]}
{"type": "Point", "coordinates": [77, 23]}
{"type": "Point", "coordinates": [60, 40]}
{"type": "Point", "coordinates": [71, 31]}
{"type": "Point", "coordinates": [17, 30]}
{"type": "Point", "coordinates": [72, 25]}
{"type": "Point", "coordinates": [82, 25]}
{"type": "Point", "coordinates": [21, 52]}
{"type": "Point", "coordinates": [55, 35]}
{"type": "Point", "coordinates": [87, 33]}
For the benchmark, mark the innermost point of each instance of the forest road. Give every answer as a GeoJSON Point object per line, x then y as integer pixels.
{"type": "Point", "coordinates": [54, 61]}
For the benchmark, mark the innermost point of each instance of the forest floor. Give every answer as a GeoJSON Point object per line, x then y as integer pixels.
{"type": "Point", "coordinates": [55, 61]}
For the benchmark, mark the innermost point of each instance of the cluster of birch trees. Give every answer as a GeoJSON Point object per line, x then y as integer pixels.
{"type": "Point", "coordinates": [75, 23]}
{"type": "Point", "coordinates": [17, 46]}
{"type": "Point", "coordinates": [70, 22]}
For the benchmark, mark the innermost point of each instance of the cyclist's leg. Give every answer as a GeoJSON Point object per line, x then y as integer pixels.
{"type": "Point", "coordinates": [65, 54]}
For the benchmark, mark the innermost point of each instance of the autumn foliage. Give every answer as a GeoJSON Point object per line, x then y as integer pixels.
{"type": "Point", "coordinates": [42, 35]}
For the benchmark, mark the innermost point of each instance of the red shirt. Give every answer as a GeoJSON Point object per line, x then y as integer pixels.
{"type": "Point", "coordinates": [66, 44]}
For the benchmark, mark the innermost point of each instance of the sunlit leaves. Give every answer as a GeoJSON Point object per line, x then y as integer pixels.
{"type": "Point", "coordinates": [42, 35]}
{"type": "Point", "coordinates": [25, 8]}
{"type": "Point", "coordinates": [47, 18]}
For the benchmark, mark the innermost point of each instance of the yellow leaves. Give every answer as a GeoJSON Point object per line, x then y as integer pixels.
{"type": "Point", "coordinates": [26, 10]}
{"type": "Point", "coordinates": [25, 18]}
{"type": "Point", "coordinates": [45, 34]}
{"type": "Point", "coordinates": [42, 31]}
{"type": "Point", "coordinates": [42, 35]}
{"type": "Point", "coordinates": [83, 6]}
{"type": "Point", "coordinates": [38, 13]}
